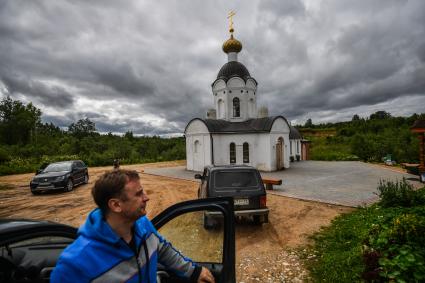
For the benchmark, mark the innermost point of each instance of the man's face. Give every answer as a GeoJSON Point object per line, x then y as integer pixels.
{"type": "Point", "coordinates": [134, 204]}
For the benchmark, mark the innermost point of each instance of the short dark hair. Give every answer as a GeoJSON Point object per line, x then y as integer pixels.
{"type": "Point", "coordinates": [111, 185]}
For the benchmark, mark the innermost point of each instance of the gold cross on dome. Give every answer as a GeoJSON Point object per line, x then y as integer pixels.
{"type": "Point", "coordinates": [230, 16]}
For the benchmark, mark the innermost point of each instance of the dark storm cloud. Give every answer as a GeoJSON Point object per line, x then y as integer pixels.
{"type": "Point", "coordinates": [282, 9]}
{"type": "Point", "coordinates": [365, 60]}
{"type": "Point", "coordinates": [55, 96]}
{"type": "Point", "coordinates": [122, 78]}
{"type": "Point", "coordinates": [115, 63]}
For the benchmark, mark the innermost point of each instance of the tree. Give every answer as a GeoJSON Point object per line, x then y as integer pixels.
{"type": "Point", "coordinates": [308, 123]}
{"type": "Point", "coordinates": [355, 118]}
{"type": "Point", "coordinates": [129, 135]}
{"type": "Point", "coordinates": [82, 128]}
{"type": "Point", "coordinates": [380, 115]}
{"type": "Point", "coordinates": [18, 121]}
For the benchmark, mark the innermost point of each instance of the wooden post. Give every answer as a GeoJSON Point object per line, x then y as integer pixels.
{"type": "Point", "coordinates": [421, 152]}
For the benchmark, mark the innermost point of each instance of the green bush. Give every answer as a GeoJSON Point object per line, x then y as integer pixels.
{"type": "Point", "coordinates": [397, 247]}
{"type": "Point", "coordinates": [374, 244]}
{"type": "Point", "coordinates": [399, 193]}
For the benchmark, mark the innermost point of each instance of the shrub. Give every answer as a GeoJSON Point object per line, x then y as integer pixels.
{"type": "Point", "coordinates": [395, 250]}
{"type": "Point", "coordinates": [399, 193]}
{"type": "Point", "coordinates": [373, 244]}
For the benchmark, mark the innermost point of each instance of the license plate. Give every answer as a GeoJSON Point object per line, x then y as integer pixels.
{"type": "Point", "coordinates": [242, 201]}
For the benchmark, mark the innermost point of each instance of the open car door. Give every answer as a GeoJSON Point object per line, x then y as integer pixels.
{"type": "Point", "coordinates": [182, 225]}
{"type": "Point", "coordinates": [29, 249]}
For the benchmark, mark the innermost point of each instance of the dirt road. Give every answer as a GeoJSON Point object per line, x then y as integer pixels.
{"type": "Point", "coordinates": [263, 254]}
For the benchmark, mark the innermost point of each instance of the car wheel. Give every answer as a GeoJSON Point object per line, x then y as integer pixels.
{"type": "Point", "coordinates": [86, 179]}
{"type": "Point", "coordinates": [208, 225]}
{"type": "Point", "coordinates": [257, 220]}
{"type": "Point", "coordinates": [35, 192]}
{"type": "Point", "coordinates": [69, 186]}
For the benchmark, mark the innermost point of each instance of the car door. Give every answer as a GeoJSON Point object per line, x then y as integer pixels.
{"type": "Point", "coordinates": [182, 226]}
{"type": "Point", "coordinates": [30, 249]}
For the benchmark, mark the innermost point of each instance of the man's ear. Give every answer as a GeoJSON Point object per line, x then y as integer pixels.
{"type": "Point", "coordinates": [114, 205]}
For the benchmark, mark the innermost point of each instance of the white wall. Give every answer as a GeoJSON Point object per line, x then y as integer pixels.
{"type": "Point", "coordinates": [294, 148]}
{"type": "Point", "coordinates": [259, 149]}
{"type": "Point", "coordinates": [235, 87]}
{"type": "Point", "coordinates": [196, 131]}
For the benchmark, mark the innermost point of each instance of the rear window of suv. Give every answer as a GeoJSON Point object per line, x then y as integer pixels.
{"type": "Point", "coordinates": [224, 180]}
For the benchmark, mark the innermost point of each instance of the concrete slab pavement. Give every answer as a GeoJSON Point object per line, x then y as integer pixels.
{"type": "Point", "coordinates": [347, 183]}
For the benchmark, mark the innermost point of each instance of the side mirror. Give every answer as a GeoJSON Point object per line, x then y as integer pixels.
{"type": "Point", "coordinates": [38, 171]}
{"type": "Point", "coordinates": [198, 176]}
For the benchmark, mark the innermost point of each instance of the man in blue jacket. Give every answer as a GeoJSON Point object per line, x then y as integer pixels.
{"type": "Point", "coordinates": [117, 243]}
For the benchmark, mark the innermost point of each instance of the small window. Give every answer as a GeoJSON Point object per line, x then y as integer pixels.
{"type": "Point", "coordinates": [290, 146]}
{"type": "Point", "coordinates": [196, 147]}
{"type": "Point", "coordinates": [236, 107]}
{"type": "Point", "coordinates": [245, 152]}
{"type": "Point", "coordinates": [241, 91]}
{"type": "Point", "coordinates": [232, 153]}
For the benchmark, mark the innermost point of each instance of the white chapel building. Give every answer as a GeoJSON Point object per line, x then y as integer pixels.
{"type": "Point", "coordinates": [236, 132]}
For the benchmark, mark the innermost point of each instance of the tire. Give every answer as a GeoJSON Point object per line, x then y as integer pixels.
{"type": "Point", "coordinates": [35, 192]}
{"type": "Point", "coordinates": [69, 186]}
{"type": "Point", "coordinates": [257, 220]}
{"type": "Point", "coordinates": [208, 225]}
{"type": "Point", "coordinates": [86, 179]}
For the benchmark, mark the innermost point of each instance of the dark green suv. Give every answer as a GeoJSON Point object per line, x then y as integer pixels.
{"type": "Point", "coordinates": [242, 183]}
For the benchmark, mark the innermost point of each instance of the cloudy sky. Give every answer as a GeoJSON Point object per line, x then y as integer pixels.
{"type": "Point", "coordinates": [147, 66]}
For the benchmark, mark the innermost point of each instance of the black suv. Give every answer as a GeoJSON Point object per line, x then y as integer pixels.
{"type": "Point", "coordinates": [241, 182]}
{"type": "Point", "coordinates": [60, 176]}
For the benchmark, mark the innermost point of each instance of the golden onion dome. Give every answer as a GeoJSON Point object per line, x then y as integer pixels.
{"type": "Point", "coordinates": [232, 44]}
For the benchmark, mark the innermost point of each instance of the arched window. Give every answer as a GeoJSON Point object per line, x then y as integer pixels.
{"type": "Point", "coordinates": [236, 107]}
{"type": "Point", "coordinates": [196, 147]}
{"type": "Point", "coordinates": [245, 152]}
{"type": "Point", "coordinates": [232, 153]}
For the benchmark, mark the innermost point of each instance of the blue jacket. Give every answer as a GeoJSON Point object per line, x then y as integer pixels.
{"type": "Point", "coordinates": [100, 255]}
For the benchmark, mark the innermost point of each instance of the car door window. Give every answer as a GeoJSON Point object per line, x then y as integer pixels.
{"type": "Point", "coordinates": [188, 234]}
{"type": "Point", "coordinates": [203, 230]}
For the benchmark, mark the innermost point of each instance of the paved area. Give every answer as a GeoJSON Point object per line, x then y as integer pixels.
{"type": "Point", "coordinates": [347, 183]}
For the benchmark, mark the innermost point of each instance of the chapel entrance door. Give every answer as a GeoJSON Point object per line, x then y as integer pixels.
{"type": "Point", "coordinates": [279, 154]}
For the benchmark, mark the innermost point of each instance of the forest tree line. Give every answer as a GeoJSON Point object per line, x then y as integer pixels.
{"type": "Point", "coordinates": [368, 139]}
{"type": "Point", "coordinates": [26, 142]}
